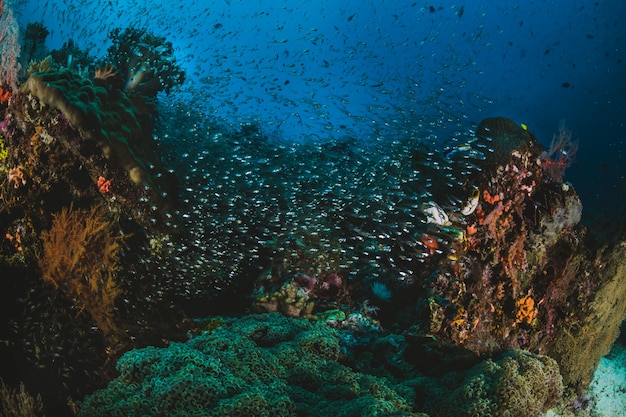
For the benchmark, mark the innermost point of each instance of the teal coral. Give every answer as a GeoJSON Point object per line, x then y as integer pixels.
{"type": "Point", "coordinates": [105, 116]}
{"type": "Point", "coordinates": [259, 365]}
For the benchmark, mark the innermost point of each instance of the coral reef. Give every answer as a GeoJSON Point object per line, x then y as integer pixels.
{"type": "Point", "coordinates": [407, 274]}
{"type": "Point", "coordinates": [106, 117]}
{"type": "Point", "coordinates": [80, 257]}
{"type": "Point", "coordinates": [82, 191]}
{"type": "Point", "coordinates": [268, 364]}
{"type": "Point", "coordinates": [253, 366]}
{"type": "Point", "coordinates": [579, 346]}
{"type": "Point", "coordinates": [493, 292]}
{"type": "Point", "coordinates": [9, 48]}
{"type": "Point", "coordinates": [147, 60]}
{"type": "Point", "coordinates": [518, 385]}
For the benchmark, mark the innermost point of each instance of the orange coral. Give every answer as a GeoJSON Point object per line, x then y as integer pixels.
{"type": "Point", "coordinates": [4, 95]}
{"type": "Point", "coordinates": [81, 257]}
{"type": "Point", "coordinates": [490, 199]}
{"type": "Point", "coordinates": [104, 185]}
{"type": "Point", "coordinates": [526, 310]}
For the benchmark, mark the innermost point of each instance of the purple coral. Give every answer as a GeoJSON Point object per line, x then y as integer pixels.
{"type": "Point", "coordinates": [326, 287]}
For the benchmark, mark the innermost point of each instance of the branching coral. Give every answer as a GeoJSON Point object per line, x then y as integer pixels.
{"type": "Point", "coordinates": [80, 258]}
{"type": "Point", "coordinates": [561, 154]}
{"type": "Point", "coordinates": [147, 60]}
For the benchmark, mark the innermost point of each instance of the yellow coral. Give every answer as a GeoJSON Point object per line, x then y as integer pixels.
{"type": "Point", "coordinates": [526, 310]}
{"type": "Point", "coordinates": [4, 152]}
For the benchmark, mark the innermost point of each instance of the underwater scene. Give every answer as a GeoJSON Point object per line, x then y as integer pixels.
{"type": "Point", "coordinates": [312, 208]}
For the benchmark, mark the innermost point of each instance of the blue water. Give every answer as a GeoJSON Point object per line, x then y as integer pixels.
{"type": "Point", "coordinates": [322, 69]}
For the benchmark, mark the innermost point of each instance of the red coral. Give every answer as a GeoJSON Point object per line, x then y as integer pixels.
{"type": "Point", "coordinates": [104, 185]}
{"type": "Point", "coordinates": [560, 156]}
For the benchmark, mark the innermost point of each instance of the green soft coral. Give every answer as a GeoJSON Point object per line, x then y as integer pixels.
{"type": "Point", "coordinates": [519, 384]}
{"type": "Point", "coordinates": [105, 116]}
{"type": "Point", "coordinates": [256, 365]}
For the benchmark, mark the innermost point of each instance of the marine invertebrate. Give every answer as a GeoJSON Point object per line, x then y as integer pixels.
{"type": "Point", "coordinates": [80, 258]}
{"type": "Point", "coordinates": [104, 73]}
{"type": "Point", "coordinates": [16, 177]}
{"type": "Point", "coordinates": [147, 60]}
{"type": "Point", "coordinates": [255, 365]}
{"type": "Point", "coordinates": [9, 47]}
{"type": "Point", "coordinates": [579, 345]}
{"type": "Point", "coordinates": [518, 384]}
{"type": "Point", "coordinates": [561, 154]}
{"type": "Point", "coordinates": [526, 310]}
{"type": "Point", "coordinates": [110, 120]}
{"type": "Point", "coordinates": [5, 95]}
{"type": "Point", "coordinates": [107, 77]}
{"type": "Point", "coordinates": [104, 185]}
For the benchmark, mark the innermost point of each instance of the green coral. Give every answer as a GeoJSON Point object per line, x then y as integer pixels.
{"type": "Point", "coordinates": [258, 365]}
{"type": "Point", "coordinates": [105, 116]}
{"type": "Point", "coordinates": [519, 384]}
{"type": "Point", "coordinates": [268, 364]}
